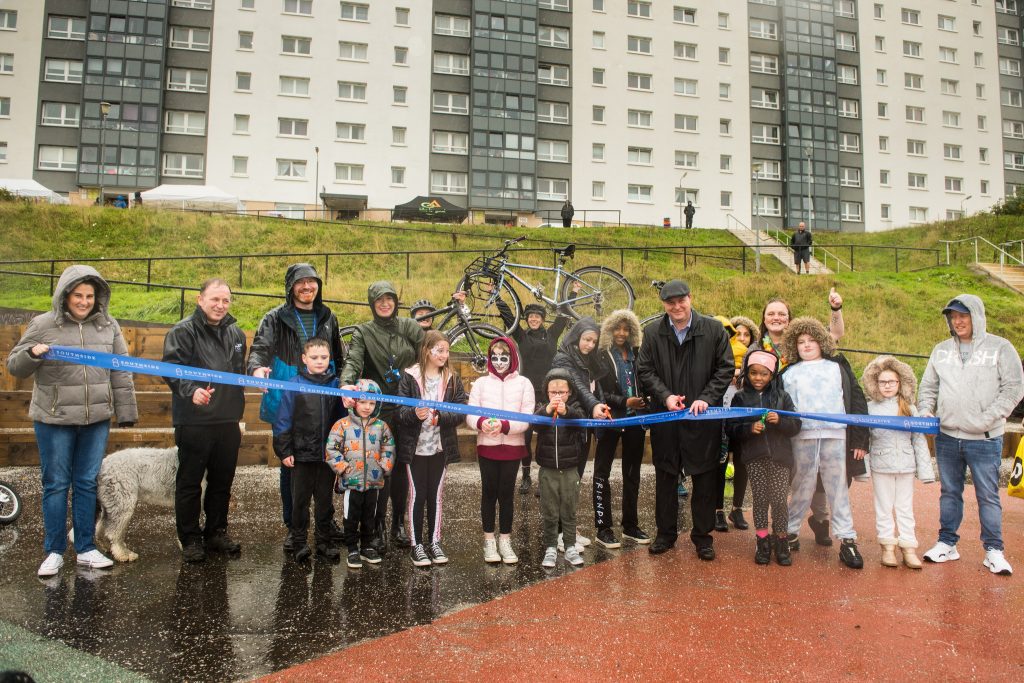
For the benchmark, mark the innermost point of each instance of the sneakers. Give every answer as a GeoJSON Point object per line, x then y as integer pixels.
{"type": "Point", "coordinates": [419, 556]}
{"type": "Point", "coordinates": [996, 563]}
{"type": "Point", "coordinates": [354, 561]}
{"type": "Point", "coordinates": [681, 490]}
{"type": "Point", "coordinates": [581, 540]}
{"type": "Point", "coordinates": [370, 555]}
{"type": "Point", "coordinates": [720, 523]}
{"type": "Point", "coordinates": [437, 555]}
{"type": "Point", "coordinates": [637, 535]}
{"type": "Point", "coordinates": [505, 550]}
{"type": "Point", "coordinates": [193, 552]}
{"type": "Point", "coordinates": [491, 555]}
{"type": "Point", "coordinates": [220, 542]}
{"type": "Point", "coordinates": [849, 555]}
{"type": "Point", "coordinates": [782, 553]}
{"type": "Point", "coordinates": [794, 542]}
{"type": "Point", "coordinates": [303, 553]}
{"type": "Point", "coordinates": [53, 562]}
{"type": "Point", "coordinates": [606, 538]}
{"type": "Point", "coordinates": [942, 552]}
{"type": "Point", "coordinates": [736, 517]}
{"type": "Point", "coordinates": [326, 551]}
{"type": "Point", "coordinates": [820, 530]}
{"type": "Point", "coordinates": [550, 557]}
{"type": "Point", "coordinates": [763, 553]}
{"type": "Point", "coordinates": [94, 559]}
{"type": "Point", "coordinates": [573, 557]}
{"type": "Point", "coordinates": [561, 544]}
{"type": "Point", "coordinates": [526, 483]}
{"type": "Point", "coordinates": [399, 537]}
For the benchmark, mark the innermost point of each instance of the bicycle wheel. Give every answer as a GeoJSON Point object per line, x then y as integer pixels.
{"type": "Point", "coordinates": [650, 319]}
{"type": "Point", "coordinates": [473, 339]}
{"type": "Point", "coordinates": [478, 289]}
{"type": "Point", "coordinates": [10, 504]}
{"type": "Point", "coordinates": [346, 334]}
{"type": "Point", "coordinates": [596, 291]}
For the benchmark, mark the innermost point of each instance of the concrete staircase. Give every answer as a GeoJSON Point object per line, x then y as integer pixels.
{"type": "Point", "coordinates": [771, 247]}
{"type": "Point", "coordinates": [1010, 276]}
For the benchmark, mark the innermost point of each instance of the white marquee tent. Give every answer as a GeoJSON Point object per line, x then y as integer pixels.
{"type": "Point", "coordinates": [26, 187]}
{"type": "Point", "coordinates": [199, 197]}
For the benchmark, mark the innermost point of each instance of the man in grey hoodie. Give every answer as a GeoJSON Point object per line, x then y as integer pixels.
{"type": "Point", "coordinates": [972, 383]}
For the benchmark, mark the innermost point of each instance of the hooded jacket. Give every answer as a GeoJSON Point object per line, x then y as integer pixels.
{"type": "Point", "coordinates": [383, 347]}
{"type": "Point", "coordinates": [409, 425]}
{"type": "Point", "coordinates": [894, 452]}
{"type": "Point", "coordinates": [66, 393]}
{"type": "Point", "coordinates": [279, 340]}
{"type": "Point", "coordinates": [537, 348]}
{"type": "Point", "coordinates": [755, 332]}
{"type": "Point", "coordinates": [738, 349]}
{"type": "Point", "coordinates": [972, 399]}
{"type": "Point", "coordinates": [304, 419]}
{"type": "Point", "coordinates": [774, 442]}
{"type": "Point", "coordinates": [509, 392]}
{"type": "Point", "coordinates": [701, 368]}
{"type": "Point", "coordinates": [559, 446]}
{"type": "Point", "coordinates": [612, 390]}
{"type": "Point", "coordinates": [586, 370]}
{"type": "Point", "coordinates": [361, 451]}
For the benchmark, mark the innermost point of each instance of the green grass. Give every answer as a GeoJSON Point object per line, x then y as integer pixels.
{"type": "Point", "coordinates": [884, 310]}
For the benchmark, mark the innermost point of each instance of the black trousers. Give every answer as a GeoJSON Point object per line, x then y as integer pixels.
{"type": "Point", "coordinates": [425, 478]}
{"type": "Point", "coordinates": [497, 486]}
{"type": "Point", "coordinates": [360, 507]}
{"type": "Point", "coordinates": [632, 439]}
{"type": "Point", "coordinates": [702, 506]}
{"type": "Point", "coordinates": [739, 483]}
{"type": "Point", "coordinates": [396, 490]}
{"type": "Point", "coordinates": [528, 460]}
{"type": "Point", "coordinates": [312, 480]}
{"type": "Point", "coordinates": [209, 451]}
{"type": "Point", "coordinates": [581, 466]}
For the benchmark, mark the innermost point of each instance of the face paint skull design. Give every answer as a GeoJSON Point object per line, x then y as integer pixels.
{"type": "Point", "coordinates": [500, 361]}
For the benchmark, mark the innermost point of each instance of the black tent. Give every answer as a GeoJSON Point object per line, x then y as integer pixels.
{"type": "Point", "coordinates": [431, 209]}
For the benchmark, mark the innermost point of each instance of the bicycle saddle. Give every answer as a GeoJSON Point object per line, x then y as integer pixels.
{"type": "Point", "coordinates": [567, 252]}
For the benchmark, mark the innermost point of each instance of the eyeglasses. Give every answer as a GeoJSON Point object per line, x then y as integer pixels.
{"type": "Point", "coordinates": [888, 382]}
{"type": "Point", "coordinates": [558, 393]}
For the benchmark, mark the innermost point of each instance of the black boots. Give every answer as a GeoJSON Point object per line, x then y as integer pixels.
{"type": "Point", "coordinates": [782, 555]}
{"type": "Point", "coordinates": [763, 554]}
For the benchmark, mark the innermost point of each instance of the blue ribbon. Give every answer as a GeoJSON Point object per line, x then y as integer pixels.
{"type": "Point", "coordinates": [109, 361]}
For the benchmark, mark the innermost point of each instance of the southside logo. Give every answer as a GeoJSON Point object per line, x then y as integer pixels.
{"type": "Point", "coordinates": [432, 208]}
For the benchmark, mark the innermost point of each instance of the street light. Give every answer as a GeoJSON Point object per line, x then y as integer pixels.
{"type": "Point", "coordinates": [755, 172]}
{"type": "Point", "coordinates": [809, 152]}
{"type": "Point", "coordinates": [316, 184]}
{"type": "Point", "coordinates": [104, 110]}
{"type": "Point", "coordinates": [682, 196]}
{"type": "Point", "coordinates": [962, 202]}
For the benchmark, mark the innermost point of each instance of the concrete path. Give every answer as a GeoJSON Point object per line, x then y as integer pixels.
{"type": "Point", "coordinates": [771, 247]}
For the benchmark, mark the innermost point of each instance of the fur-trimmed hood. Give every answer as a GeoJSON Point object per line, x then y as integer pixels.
{"type": "Point", "coordinates": [755, 332]}
{"type": "Point", "coordinates": [809, 326]}
{"type": "Point", "coordinates": [908, 382]}
{"type": "Point", "coordinates": [614, 319]}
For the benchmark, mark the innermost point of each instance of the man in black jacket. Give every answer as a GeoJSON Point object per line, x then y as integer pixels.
{"type": "Point", "coordinates": [205, 418]}
{"type": "Point", "coordinates": [685, 356]}
{"type": "Point", "coordinates": [800, 243]}
{"type": "Point", "coordinates": [277, 351]}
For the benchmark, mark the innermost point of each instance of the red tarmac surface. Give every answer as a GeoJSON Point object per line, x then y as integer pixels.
{"type": "Point", "coordinates": [674, 617]}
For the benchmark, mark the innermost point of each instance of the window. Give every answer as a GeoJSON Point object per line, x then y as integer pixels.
{"type": "Point", "coordinates": [982, 122]}
{"type": "Point", "coordinates": [764, 64]}
{"type": "Point", "coordinates": [351, 91]}
{"type": "Point", "coordinates": [723, 55]}
{"type": "Point", "coordinates": [918, 214]}
{"type": "Point", "coordinates": [562, 5]}
{"type": "Point", "coordinates": [883, 110]}
{"type": "Point", "coordinates": [293, 86]}
{"type": "Point", "coordinates": [885, 211]}
{"type": "Point", "coordinates": [723, 20]}
{"type": "Point", "coordinates": [638, 8]}
{"type": "Point", "coordinates": [685, 159]}
{"type": "Point", "coordinates": [552, 189]}
{"type": "Point", "coordinates": [241, 124]}
{"type": "Point", "coordinates": [247, 4]}
{"type": "Point", "coordinates": [1006, 6]}
{"type": "Point", "coordinates": [761, 98]}
{"type": "Point", "coordinates": [636, 81]}
{"type": "Point", "coordinates": [65, 28]}
{"type": "Point", "coordinates": [597, 42]}
{"type": "Point", "coordinates": [5, 107]}
{"type": "Point", "coordinates": [8, 20]}
{"type": "Point", "coordinates": [292, 128]}
{"type": "Point", "coordinates": [245, 40]}
{"type": "Point", "coordinates": [448, 63]}
{"type": "Point", "coordinates": [846, 73]}
{"type": "Point", "coordinates": [597, 76]}
{"type": "Point", "coordinates": [1011, 160]}
{"type": "Point", "coordinates": [185, 122]}
{"type": "Point", "coordinates": [762, 28]}
{"type": "Point", "coordinates": [1013, 129]}
{"type": "Point", "coordinates": [398, 135]}
{"type": "Point", "coordinates": [401, 55]}
{"type": "Point", "coordinates": [638, 45]}
{"type": "Point", "coordinates": [883, 177]}
{"type": "Point", "coordinates": [983, 155]}
{"type": "Point", "coordinates": [194, 4]}
{"type": "Point", "coordinates": [849, 108]}
{"type": "Point", "coordinates": [951, 119]}
{"type": "Point", "coordinates": [954, 184]}
{"type": "Point", "coordinates": [913, 81]}
{"type": "Point", "coordinates": [851, 211]}
{"type": "Point", "coordinates": [767, 205]}
{"type": "Point", "coordinates": [553, 74]}
{"type": "Point", "coordinates": [1007, 36]}
{"type": "Point", "coordinates": [765, 134]}
{"type": "Point", "coordinates": [188, 38]}
{"type": "Point", "coordinates": [917, 181]}
{"type": "Point", "coordinates": [724, 126]}
{"type": "Point", "coordinates": [879, 11]}
{"type": "Point", "coordinates": [984, 187]}
{"type": "Point", "coordinates": [447, 142]}
{"type": "Point", "coordinates": [553, 36]}
{"type": "Point", "coordinates": [849, 176]}
{"type": "Point", "coordinates": [911, 49]}
{"type": "Point", "coordinates": [915, 114]}
{"type": "Point", "coordinates": [724, 91]}
{"type": "Point", "coordinates": [597, 114]}
{"type": "Point", "coordinates": [947, 54]}
{"type": "Point", "coordinates": [1009, 67]}
{"type": "Point", "coordinates": [56, 70]}
{"type": "Point", "coordinates": [639, 193]}
{"type": "Point", "coordinates": [553, 112]}
{"type": "Point", "coordinates": [849, 142]}
{"type": "Point", "coordinates": [881, 77]}
{"type": "Point", "coordinates": [451, 103]}
{"type": "Point", "coordinates": [915, 147]}
{"type": "Point", "coordinates": [684, 50]}
{"type": "Point", "coordinates": [597, 190]}
{"type": "Point", "coordinates": [398, 175]}
{"type": "Point", "coordinates": [298, 7]}
{"type": "Point", "coordinates": [946, 23]}
{"type": "Point", "coordinates": [846, 8]}
{"type": "Point", "coordinates": [54, 113]}
{"type": "Point", "coordinates": [352, 11]}
{"type": "Point", "coordinates": [240, 166]}
{"type": "Point", "coordinates": [401, 16]}
{"type": "Point", "coordinates": [879, 43]}
{"type": "Point", "coordinates": [979, 59]}
{"type": "Point", "coordinates": [187, 80]}
{"type": "Point", "coordinates": [1010, 97]}
{"type": "Point", "coordinates": [910, 16]}
{"type": "Point", "coordinates": [597, 151]}
{"type": "Point", "coordinates": [58, 158]}
{"type": "Point", "coordinates": [183, 165]}
{"type": "Point", "coordinates": [846, 41]}
{"type": "Point", "coordinates": [976, 27]}
{"type": "Point", "coordinates": [949, 86]}
{"type": "Point", "coordinates": [684, 15]}
{"type": "Point", "coordinates": [553, 150]}
{"type": "Point", "coordinates": [356, 52]}
{"type": "Point", "coordinates": [883, 143]}
{"type": "Point", "coordinates": [725, 163]}
{"type": "Point", "coordinates": [444, 25]}
{"type": "Point", "coordinates": [638, 118]}
{"type": "Point", "coordinates": [345, 173]}
{"type": "Point", "coordinates": [725, 199]}
{"type": "Point", "coordinates": [291, 168]}
{"type": "Point", "coordinates": [769, 170]}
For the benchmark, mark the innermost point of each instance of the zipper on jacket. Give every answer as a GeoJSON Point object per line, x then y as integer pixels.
{"type": "Point", "coordinates": [556, 442]}
{"type": "Point", "coordinates": [767, 441]}
{"type": "Point", "coordinates": [364, 454]}
{"type": "Point", "coordinates": [56, 398]}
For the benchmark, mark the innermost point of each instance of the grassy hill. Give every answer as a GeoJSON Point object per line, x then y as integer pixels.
{"type": "Point", "coordinates": [884, 310]}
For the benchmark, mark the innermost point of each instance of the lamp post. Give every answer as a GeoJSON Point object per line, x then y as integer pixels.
{"type": "Point", "coordinates": [962, 202]}
{"type": "Point", "coordinates": [755, 170]}
{"type": "Point", "coordinates": [808, 152]}
{"type": "Point", "coordinates": [104, 111]}
{"type": "Point", "coordinates": [316, 183]}
{"type": "Point", "coordinates": [682, 197]}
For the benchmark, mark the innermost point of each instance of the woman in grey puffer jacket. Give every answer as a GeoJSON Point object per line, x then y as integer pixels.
{"type": "Point", "coordinates": [895, 457]}
{"type": "Point", "coordinates": [71, 408]}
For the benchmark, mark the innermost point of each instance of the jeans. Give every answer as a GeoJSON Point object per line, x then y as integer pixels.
{"type": "Point", "coordinates": [954, 456]}
{"type": "Point", "coordinates": [70, 457]}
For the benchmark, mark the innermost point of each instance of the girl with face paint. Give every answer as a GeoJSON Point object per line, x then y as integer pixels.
{"type": "Point", "coordinates": [500, 444]}
{"type": "Point", "coordinates": [427, 443]}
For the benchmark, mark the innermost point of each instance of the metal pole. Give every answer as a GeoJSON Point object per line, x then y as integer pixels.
{"type": "Point", "coordinates": [316, 182]}
{"type": "Point", "coordinates": [757, 232]}
{"type": "Point", "coordinates": [810, 179]}
{"type": "Point", "coordinates": [104, 110]}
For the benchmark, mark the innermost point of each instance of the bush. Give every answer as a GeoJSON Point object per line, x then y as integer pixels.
{"type": "Point", "coordinates": [1010, 206]}
{"type": "Point", "coordinates": [6, 195]}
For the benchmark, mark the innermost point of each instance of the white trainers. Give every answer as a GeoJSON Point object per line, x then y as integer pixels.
{"type": "Point", "coordinates": [491, 555]}
{"type": "Point", "coordinates": [561, 544]}
{"type": "Point", "coordinates": [573, 557]}
{"type": "Point", "coordinates": [94, 559]}
{"type": "Point", "coordinates": [51, 565]}
{"type": "Point", "coordinates": [505, 550]}
{"type": "Point", "coordinates": [996, 563]}
{"type": "Point", "coordinates": [581, 540]}
{"type": "Point", "coordinates": [550, 557]}
{"type": "Point", "coordinates": [941, 552]}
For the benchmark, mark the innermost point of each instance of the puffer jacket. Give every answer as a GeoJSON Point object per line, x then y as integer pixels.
{"type": "Point", "coordinates": [774, 442]}
{"type": "Point", "coordinates": [304, 419]}
{"type": "Point", "coordinates": [361, 451]}
{"type": "Point", "coordinates": [511, 392]}
{"type": "Point", "coordinates": [972, 399]}
{"type": "Point", "coordinates": [587, 370]}
{"type": "Point", "coordinates": [536, 347]}
{"type": "Point", "coordinates": [278, 342]}
{"type": "Point", "coordinates": [409, 425]}
{"type": "Point", "coordinates": [612, 390]}
{"type": "Point", "coordinates": [559, 446]}
{"type": "Point", "coordinates": [66, 393]}
{"type": "Point", "coordinates": [893, 452]}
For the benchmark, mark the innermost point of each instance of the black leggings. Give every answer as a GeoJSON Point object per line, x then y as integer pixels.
{"type": "Point", "coordinates": [632, 454]}
{"type": "Point", "coordinates": [425, 479]}
{"type": "Point", "coordinates": [770, 484]}
{"type": "Point", "coordinates": [497, 486]}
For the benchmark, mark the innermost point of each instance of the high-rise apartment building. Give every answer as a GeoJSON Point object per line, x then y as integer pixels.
{"type": "Point", "coordinates": [847, 114]}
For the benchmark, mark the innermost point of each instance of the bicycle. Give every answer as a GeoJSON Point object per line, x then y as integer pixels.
{"type": "Point", "coordinates": [657, 284]}
{"type": "Point", "coordinates": [10, 504]}
{"type": "Point", "coordinates": [591, 290]}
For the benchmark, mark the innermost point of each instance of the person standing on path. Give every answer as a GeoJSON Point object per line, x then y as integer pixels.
{"type": "Point", "coordinates": [800, 243]}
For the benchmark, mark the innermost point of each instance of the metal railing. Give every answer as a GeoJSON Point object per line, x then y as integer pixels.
{"type": "Point", "coordinates": [999, 252]}
{"type": "Point", "coordinates": [1007, 246]}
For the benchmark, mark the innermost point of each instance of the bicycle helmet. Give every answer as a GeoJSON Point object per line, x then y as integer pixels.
{"type": "Point", "coordinates": [422, 304]}
{"type": "Point", "coordinates": [534, 308]}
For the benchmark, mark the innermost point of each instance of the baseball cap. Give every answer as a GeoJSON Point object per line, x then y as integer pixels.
{"type": "Point", "coordinates": [674, 288]}
{"type": "Point", "coordinates": [956, 305]}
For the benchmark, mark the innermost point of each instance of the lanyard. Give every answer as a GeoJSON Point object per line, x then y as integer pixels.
{"type": "Point", "coordinates": [306, 335]}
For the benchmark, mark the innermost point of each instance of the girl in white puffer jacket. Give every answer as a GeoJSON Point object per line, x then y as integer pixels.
{"type": "Point", "coordinates": [894, 458]}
